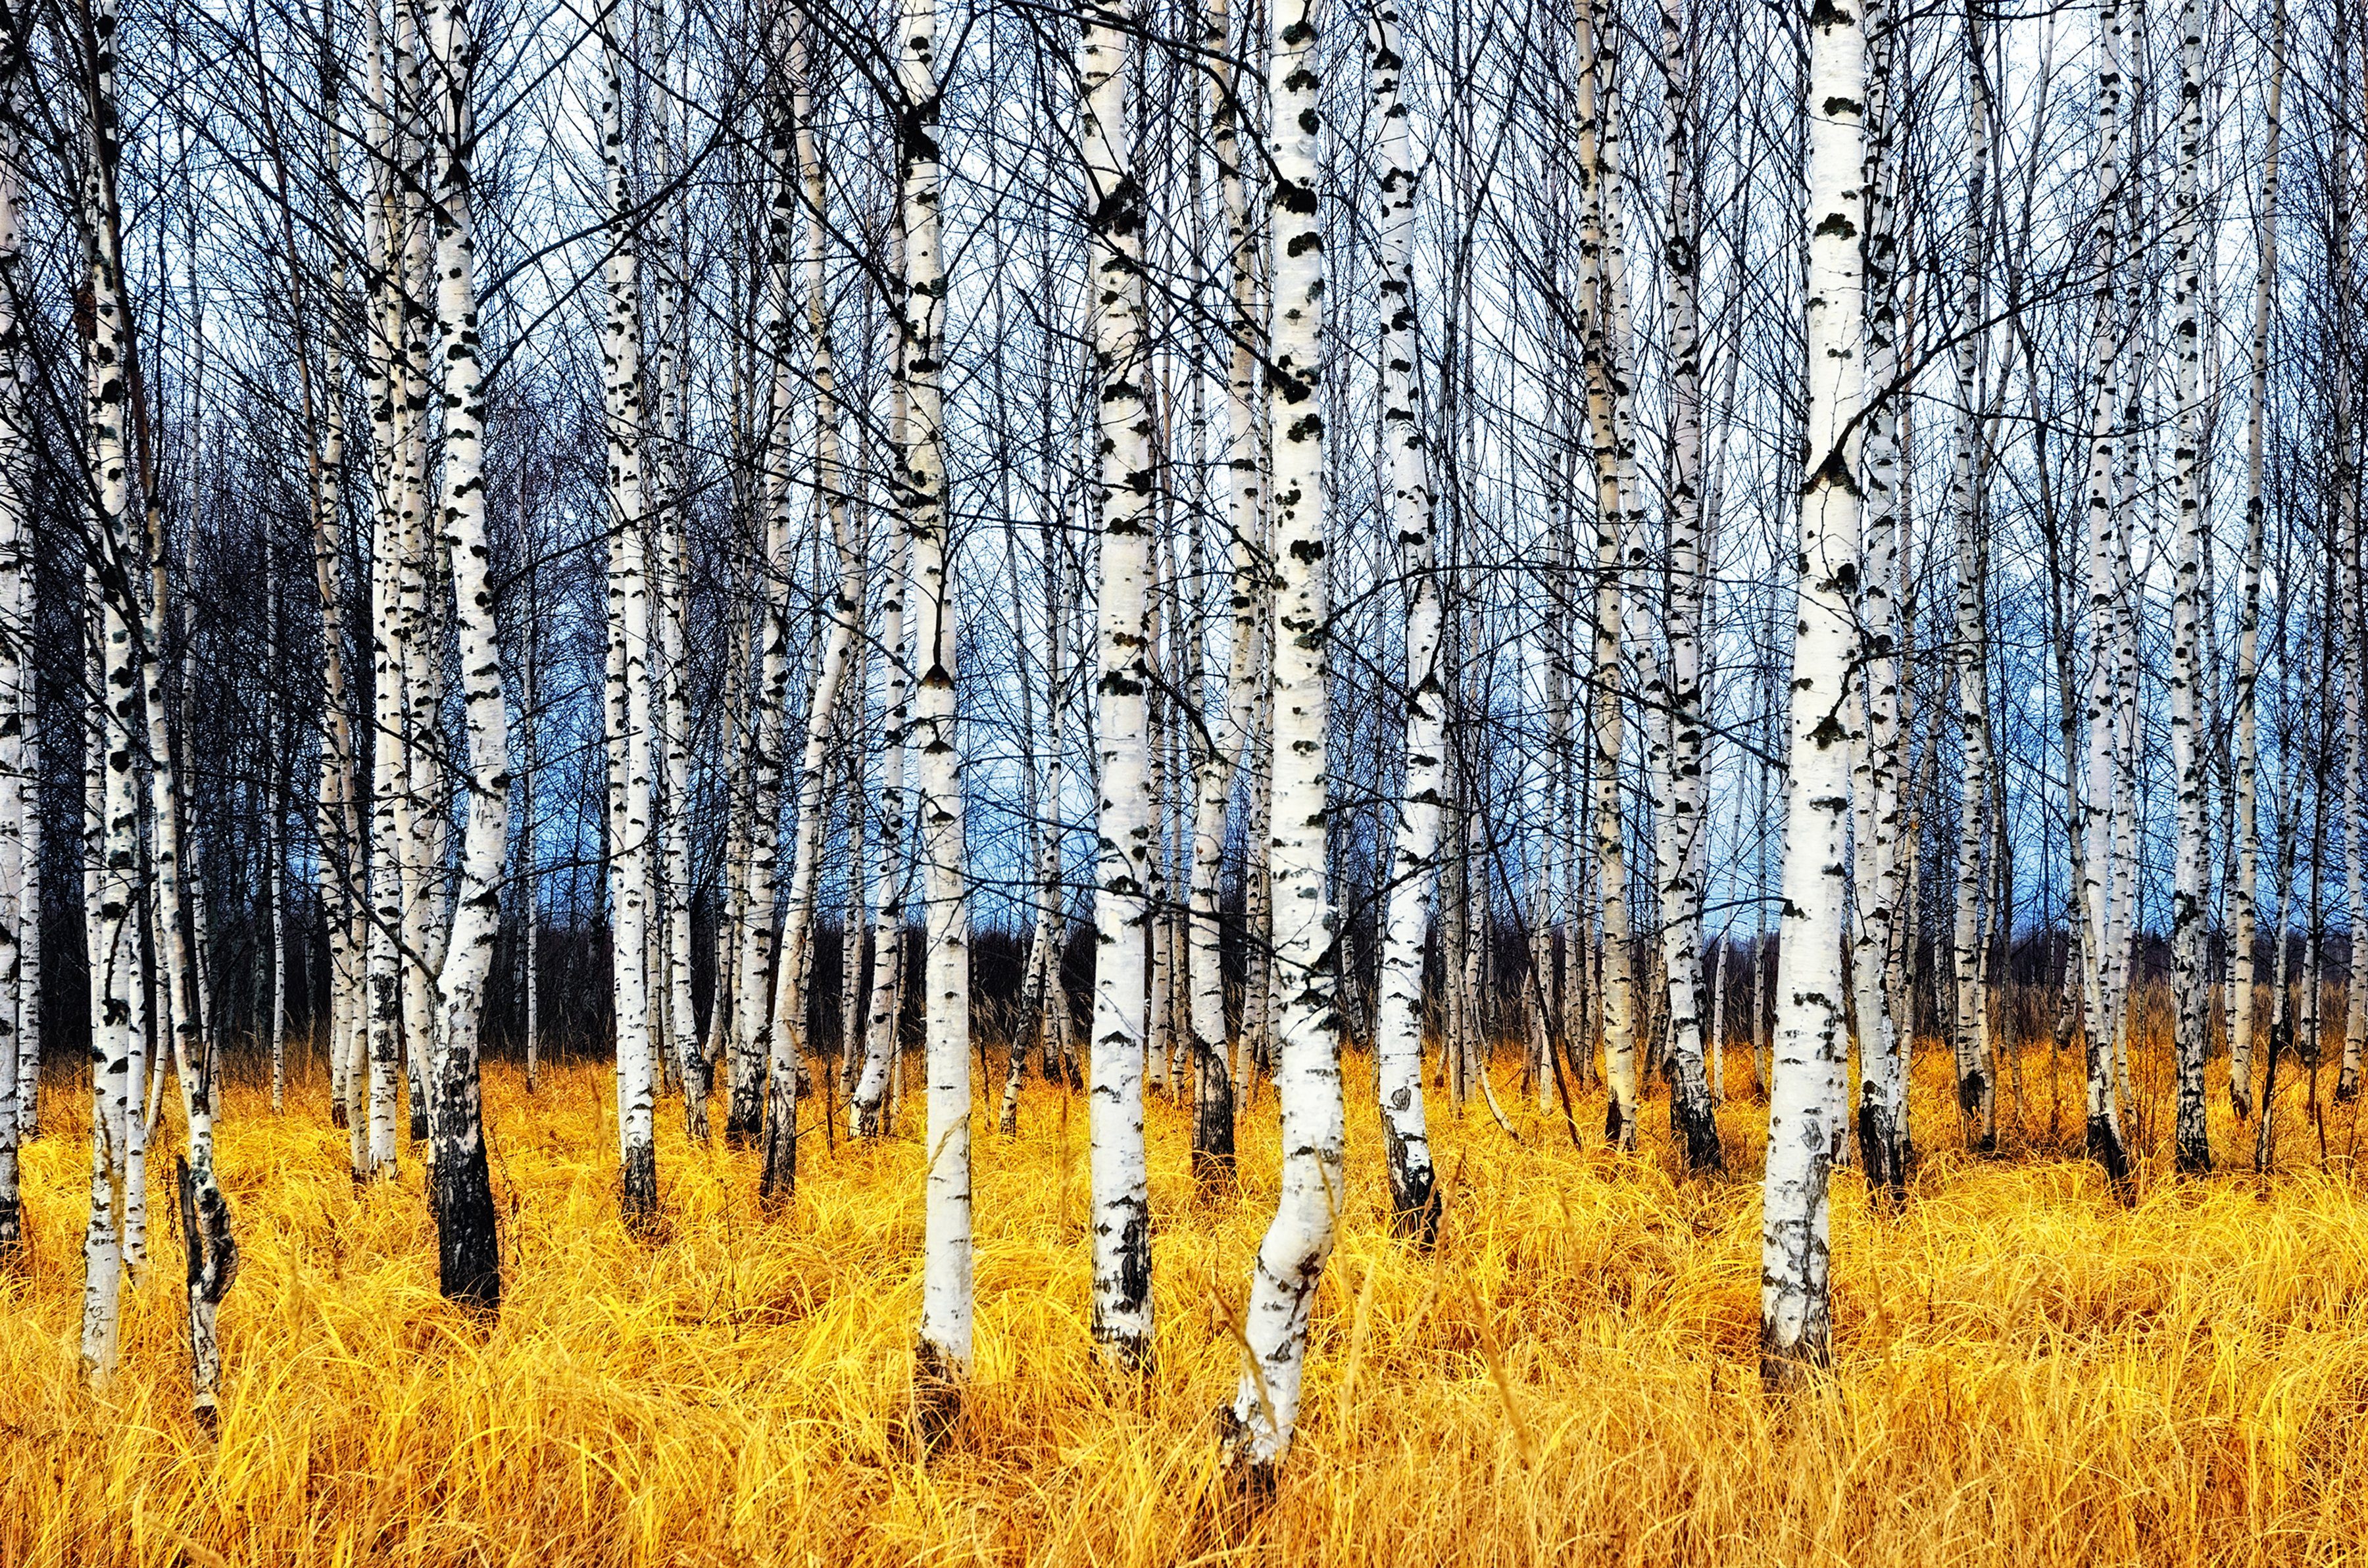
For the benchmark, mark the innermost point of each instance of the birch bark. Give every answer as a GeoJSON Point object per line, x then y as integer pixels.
{"type": "Point", "coordinates": [468, 1260]}
{"type": "Point", "coordinates": [942, 1351]}
{"type": "Point", "coordinates": [1413, 854]}
{"type": "Point", "coordinates": [1122, 1195]}
{"type": "Point", "coordinates": [1811, 1054]}
{"type": "Point", "coordinates": [1678, 818]}
{"type": "Point", "coordinates": [631, 835]}
{"type": "Point", "coordinates": [2245, 877]}
{"type": "Point", "coordinates": [2191, 994]}
{"type": "Point", "coordinates": [21, 800]}
{"type": "Point", "coordinates": [1255, 1429]}
{"type": "Point", "coordinates": [789, 1030]}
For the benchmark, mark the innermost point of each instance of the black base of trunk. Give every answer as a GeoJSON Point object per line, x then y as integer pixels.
{"type": "Point", "coordinates": [637, 1188]}
{"type": "Point", "coordinates": [1212, 1132]}
{"type": "Point", "coordinates": [2105, 1148]}
{"type": "Point", "coordinates": [1615, 1125]}
{"type": "Point", "coordinates": [779, 1180]}
{"type": "Point", "coordinates": [1694, 1128]}
{"type": "Point", "coordinates": [1883, 1155]}
{"type": "Point", "coordinates": [1247, 1486]}
{"type": "Point", "coordinates": [468, 1251]}
{"type": "Point", "coordinates": [1789, 1369]}
{"type": "Point", "coordinates": [936, 1395]}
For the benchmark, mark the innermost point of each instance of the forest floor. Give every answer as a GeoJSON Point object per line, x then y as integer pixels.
{"type": "Point", "coordinates": [2030, 1372]}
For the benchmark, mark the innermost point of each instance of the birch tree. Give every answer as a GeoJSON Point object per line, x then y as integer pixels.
{"type": "Point", "coordinates": [1413, 854]}
{"type": "Point", "coordinates": [2190, 996]}
{"type": "Point", "coordinates": [1811, 1051]}
{"type": "Point", "coordinates": [1255, 1429]}
{"type": "Point", "coordinates": [632, 831]}
{"type": "Point", "coordinates": [469, 1262]}
{"type": "Point", "coordinates": [942, 1351]}
{"type": "Point", "coordinates": [1120, 1185]}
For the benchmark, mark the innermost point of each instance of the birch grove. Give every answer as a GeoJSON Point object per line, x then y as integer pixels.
{"type": "Point", "coordinates": [1372, 589]}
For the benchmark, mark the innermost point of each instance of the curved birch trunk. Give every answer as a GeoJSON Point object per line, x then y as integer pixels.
{"type": "Point", "coordinates": [1810, 1049]}
{"type": "Point", "coordinates": [788, 1043]}
{"type": "Point", "coordinates": [1255, 1429]}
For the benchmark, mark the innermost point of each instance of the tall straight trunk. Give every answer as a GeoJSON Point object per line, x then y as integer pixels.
{"type": "Point", "coordinates": [1969, 1025]}
{"type": "Point", "coordinates": [1883, 1092]}
{"type": "Point", "coordinates": [2099, 860]}
{"type": "Point", "coordinates": [336, 815]}
{"type": "Point", "coordinates": [632, 837]}
{"type": "Point", "coordinates": [1678, 818]}
{"type": "Point", "coordinates": [1257, 1428]}
{"type": "Point", "coordinates": [110, 918]}
{"type": "Point", "coordinates": [2244, 876]}
{"type": "Point", "coordinates": [941, 1352]}
{"type": "Point", "coordinates": [754, 966]}
{"type": "Point", "coordinates": [2190, 993]}
{"type": "Point", "coordinates": [1121, 1194]}
{"type": "Point", "coordinates": [1229, 745]}
{"type": "Point", "coordinates": [382, 958]}
{"type": "Point", "coordinates": [788, 1042]}
{"type": "Point", "coordinates": [469, 1262]}
{"type": "Point", "coordinates": [1414, 852]}
{"type": "Point", "coordinates": [1811, 1052]}
{"type": "Point", "coordinates": [421, 823]}
{"type": "Point", "coordinates": [213, 1253]}
{"type": "Point", "coordinates": [31, 885]}
{"type": "Point", "coordinates": [670, 575]}
{"type": "Point", "coordinates": [20, 794]}
{"type": "Point", "coordinates": [866, 1107]}
{"type": "Point", "coordinates": [1598, 163]}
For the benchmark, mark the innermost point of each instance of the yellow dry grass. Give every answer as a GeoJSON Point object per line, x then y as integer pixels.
{"type": "Point", "coordinates": [2031, 1371]}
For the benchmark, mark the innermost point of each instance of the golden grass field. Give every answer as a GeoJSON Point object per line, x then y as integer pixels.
{"type": "Point", "coordinates": [2030, 1372]}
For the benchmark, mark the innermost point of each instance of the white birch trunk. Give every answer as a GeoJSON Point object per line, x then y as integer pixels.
{"type": "Point", "coordinates": [2099, 889]}
{"type": "Point", "coordinates": [1257, 1428]}
{"type": "Point", "coordinates": [1414, 853]}
{"type": "Point", "coordinates": [941, 1353]}
{"type": "Point", "coordinates": [1811, 1052]}
{"type": "Point", "coordinates": [1679, 817]}
{"type": "Point", "coordinates": [631, 830]}
{"type": "Point", "coordinates": [21, 800]}
{"type": "Point", "coordinates": [866, 1111]}
{"type": "Point", "coordinates": [1116, 1047]}
{"type": "Point", "coordinates": [1883, 1094]}
{"type": "Point", "coordinates": [2245, 876]}
{"type": "Point", "coordinates": [755, 964]}
{"type": "Point", "coordinates": [788, 1042]}
{"type": "Point", "coordinates": [470, 1264]}
{"type": "Point", "coordinates": [1969, 1031]}
{"type": "Point", "coordinates": [2190, 993]}
{"type": "Point", "coordinates": [112, 914]}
